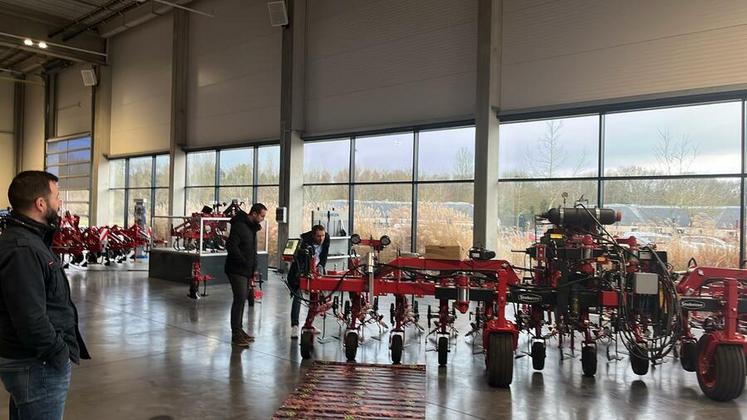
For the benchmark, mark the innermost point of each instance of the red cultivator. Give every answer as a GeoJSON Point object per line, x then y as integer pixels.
{"type": "Point", "coordinates": [97, 244]}
{"type": "Point", "coordinates": [483, 281]}
{"type": "Point", "coordinates": [715, 300]}
{"type": "Point", "coordinates": [581, 282]}
{"type": "Point", "coordinates": [187, 235]}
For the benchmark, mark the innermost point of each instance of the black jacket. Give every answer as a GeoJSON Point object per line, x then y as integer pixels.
{"type": "Point", "coordinates": [37, 317]}
{"type": "Point", "coordinates": [242, 246]}
{"type": "Point", "coordinates": [307, 240]}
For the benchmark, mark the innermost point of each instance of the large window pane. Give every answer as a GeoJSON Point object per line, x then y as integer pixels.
{"type": "Point", "coordinates": [75, 196]}
{"type": "Point", "coordinates": [566, 147]}
{"type": "Point", "coordinates": [201, 168]}
{"type": "Point", "coordinates": [446, 154]}
{"type": "Point", "coordinates": [117, 173]}
{"type": "Point", "coordinates": [141, 172]}
{"type": "Point", "coordinates": [686, 217]}
{"type": "Point", "coordinates": [162, 170]}
{"type": "Point", "coordinates": [116, 207]}
{"type": "Point", "coordinates": [326, 161]}
{"type": "Point", "coordinates": [445, 214]}
{"type": "Point", "coordinates": [236, 166]}
{"type": "Point", "coordinates": [161, 205]}
{"type": "Point", "coordinates": [57, 146]}
{"type": "Point", "coordinates": [268, 160]}
{"type": "Point", "coordinates": [269, 197]}
{"type": "Point", "coordinates": [326, 198]}
{"type": "Point", "coordinates": [519, 202]}
{"type": "Point", "coordinates": [701, 139]}
{"type": "Point", "coordinates": [135, 194]}
{"type": "Point", "coordinates": [385, 210]}
{"type": "Point", "coordinates": [197, 198]}
{"type": "Point", "coordinates": [243, 194]}
{"type": "Point", "coordinates": [384, 158]}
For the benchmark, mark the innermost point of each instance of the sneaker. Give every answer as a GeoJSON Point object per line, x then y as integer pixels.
{"type": "Point", "coordinates": [239, 339]}
{"type": "Point", "coordinates": [294, 331]}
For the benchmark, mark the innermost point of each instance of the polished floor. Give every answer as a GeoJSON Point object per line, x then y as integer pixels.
{"type": "Point", "coordinates": [159, 355]}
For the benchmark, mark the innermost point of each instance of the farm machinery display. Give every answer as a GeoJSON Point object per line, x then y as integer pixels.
{"type": "Point", "coordinates": [582, 284]}
{"type": "Point", "coordinates": [208, 227]}
{"type": "Point", "coordinates": [95, 244]}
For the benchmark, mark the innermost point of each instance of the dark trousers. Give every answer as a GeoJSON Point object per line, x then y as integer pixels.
{"type": "Point", "coordinates": [295, 306]}
{"type": "Point", "coordinates": [240, 288]}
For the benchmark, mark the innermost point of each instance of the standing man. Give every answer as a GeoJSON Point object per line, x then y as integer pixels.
{"type": "Point", "coordinates": [241, 263]}
{"type": "Point", "coordinates": [39, 336]}
{"type": "Point", "coordinates": [318, 240]}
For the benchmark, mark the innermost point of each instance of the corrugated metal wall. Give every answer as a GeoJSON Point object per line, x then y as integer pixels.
{"type": "Point", "coordinates": [141, 88]}
{"type": "Point", "coordinates": [234, 74]}
{"type": "Point", "coordinates": [387, 63]}
{"type": "Point", "coordinates": [586, 50]}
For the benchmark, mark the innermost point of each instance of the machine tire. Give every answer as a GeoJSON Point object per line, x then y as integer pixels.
{"type": "Point", "coordinates": [638, 363]}
{"type": "Point", "coordinates": [500, 360]}
{"type": "Point", "coordinates": [538, 355]}
{"type": "Point", "coordinates": [721, 379]}
{"type": "Point", "coordinates": [589, 360]}
{"type": "Point", "coordinates": [689, 356]}
{"type": "Point", "coordinates": [307, 344]}
{"type": "Point", "coordinates": [443, 350]}
{"type": "Point", "coordinates": [351, 346]}
{"type": "Point", "coordinates": [397, 346]}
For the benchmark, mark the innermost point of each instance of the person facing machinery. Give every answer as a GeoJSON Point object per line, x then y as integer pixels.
{"type": "Point", "coordinates": [241, 263]}
{"type": "Point", "coordinates": [317, 242]}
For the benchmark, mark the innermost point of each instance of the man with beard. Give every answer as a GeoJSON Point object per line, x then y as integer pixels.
{"type": "Point", "coordinates": [241, 263]}
{"type": "Point", "coordinates": [39, 336]}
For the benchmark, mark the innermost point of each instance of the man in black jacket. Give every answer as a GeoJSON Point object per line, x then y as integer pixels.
{"type": "Point", "coordinates": [241, 263]}
{"type": "Point", "coordinates": [317, 240]}
{"type": "Point", "coordinates": [39, 336]}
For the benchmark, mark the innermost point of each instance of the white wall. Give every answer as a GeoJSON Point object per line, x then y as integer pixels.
{"type": "Point", "coordinates": [7, 146]}
{"type": "Point", "coordinates": [389, 63]}
{"type": "Point", "coordinates": [234, 74]}
{"type": "Point", "coordinates": [33, 126]}
{"type": "Point", "coordinates": [74, 102]}
{"type": "Point", "coordinates": [576, 51]}
{"type": "Point", "coordinates": [141, 88]}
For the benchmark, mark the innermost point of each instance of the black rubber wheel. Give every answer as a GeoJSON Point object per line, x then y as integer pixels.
{"type": "Point", "coordinates": [638, 362]}
{"type": "Point", "coordinates": [722, 378]}
{"type": "Point", "coordinates": [443, 350]}
{"type": "Point", "coordinates": [538, 355]}
{"type": "Point", "coordinates": [307, 344]}
{"type": "Point", "coordinates": [689, 355]}
{"type": "Point", "coordinates": [500, 360]}
{"type": "Point", "coordinates": [397, 347]}
{"type": "Point", "coordinates": [351, 346]}
{"type": "Point", "coordinates": [589, 360]}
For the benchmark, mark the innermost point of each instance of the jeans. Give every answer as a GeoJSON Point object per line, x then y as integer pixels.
{"type": "Point", "coordinates": [239, 286]}
{"type": "Point", "coordinates": [37, 390]}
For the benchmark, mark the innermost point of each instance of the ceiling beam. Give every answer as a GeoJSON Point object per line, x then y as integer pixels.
{"type": "Point", "coordinates": [87, 47]}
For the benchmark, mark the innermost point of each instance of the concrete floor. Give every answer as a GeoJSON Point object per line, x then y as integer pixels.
{"type": "Point", "coordinates": [159, 355]}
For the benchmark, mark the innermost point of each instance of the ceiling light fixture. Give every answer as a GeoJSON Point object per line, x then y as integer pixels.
{"type": "Point", "coordinates": [42, 45]}
{"type": "Point", "coordinates": [27, 42]}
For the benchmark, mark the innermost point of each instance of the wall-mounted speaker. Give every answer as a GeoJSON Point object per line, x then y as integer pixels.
{"type": "Point", "coordinates": [89, 77]}
{"type": "Point", "coordinates": [278, 13]}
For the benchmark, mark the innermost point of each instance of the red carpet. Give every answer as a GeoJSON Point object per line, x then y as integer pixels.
{"type": "Point", "coordinates": [358, 391]}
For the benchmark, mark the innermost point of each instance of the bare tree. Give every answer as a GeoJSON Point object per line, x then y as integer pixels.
{"type": "Point", "coordinates": [549, 155]}
{"type": "Point", "coordinates": [465, 164]}
{"type": "Point", "coordinates": [675, 156]}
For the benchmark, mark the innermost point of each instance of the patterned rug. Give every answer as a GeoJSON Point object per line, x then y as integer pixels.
{"type": "Point", "coordinates": [358, 391]}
